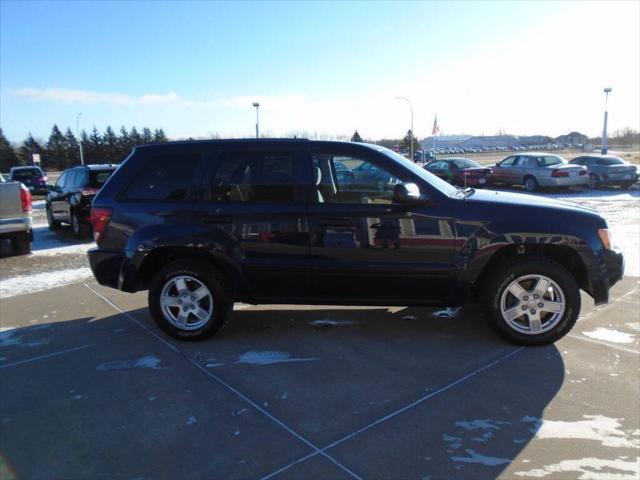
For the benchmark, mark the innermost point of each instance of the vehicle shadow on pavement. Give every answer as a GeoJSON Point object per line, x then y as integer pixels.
{"type": "Point", "coordinates": [389, 392]}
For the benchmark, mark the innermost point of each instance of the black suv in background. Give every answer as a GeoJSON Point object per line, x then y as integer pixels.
{"type": "Point", "coordinates": [31, 177]}
{"type": "Point", "coordinates": [204, 224]}
{"type": "Point", "coordinates": [69, 200]}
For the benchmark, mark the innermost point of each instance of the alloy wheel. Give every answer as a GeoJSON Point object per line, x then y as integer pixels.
{"type": "Point", "coordinates": [532, 304]}
{"type": "Point", "coordinates": [186, 302]}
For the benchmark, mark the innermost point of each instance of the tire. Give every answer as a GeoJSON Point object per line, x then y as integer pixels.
{"type": "Point", "coordinates": [79, 228]}
{"type": "Point", "coordinates": [216, 303]}
{"type": "Point", "coordinates": [627, 186]}
{"type": "Point", "coordinates": [594, 182]}
{"type": "Point", "coordinates": [53, 224]}
{"type": "Point", "coordinates": [560, 300]}
{"type": "Point", "coordinates": [530, 184]}
{"type": "Point", "coordinates": [21, 244]}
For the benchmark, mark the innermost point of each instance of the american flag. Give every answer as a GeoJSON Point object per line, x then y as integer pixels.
{"type": "Point", "coordinates": [436, 129]}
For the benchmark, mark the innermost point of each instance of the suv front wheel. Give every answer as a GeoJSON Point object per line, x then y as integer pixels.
{"type": "Point", "coordinates": [189, 301]}
{"type": "Point", "coordinates": [532, 301]}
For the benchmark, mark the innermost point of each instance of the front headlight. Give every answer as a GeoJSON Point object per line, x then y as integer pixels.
{"type": "Point", "coordinates": [605, 237]}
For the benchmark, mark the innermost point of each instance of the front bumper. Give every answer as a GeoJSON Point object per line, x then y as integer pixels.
{"type": "Point", "coordinates": [610, 271]}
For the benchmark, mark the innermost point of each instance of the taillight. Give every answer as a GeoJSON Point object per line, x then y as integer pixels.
{"type": "Point", "coordinates": [560, 173]}
{"type": "Point", "coordinates": [87, 192]}
{"type": "Point", "coordinates": [99, 220]}
{"type": "Point", "coordinates": [25, 198]}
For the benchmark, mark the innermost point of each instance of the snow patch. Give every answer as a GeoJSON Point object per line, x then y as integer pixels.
{"type": "Point", "coordinates": [191, 420]}
{"type": "Point", "coordinates": [448, 312]}
{"type": "Point", "coordinates": [598, 428]}
{"type": "Point", "coordinates": [145, 362]}
{"type": "Point", "coordinates": [634, 326]}
{"type": "Point", "coordinates": [480, 424]}
{"type": "Point", "coordinates": [269, 358]}
{"type": "Point", "coordinates": [610, 335]}
{"type": "Point", "coordinates": [23, 284]}
{"type": "Point", "coordinates": [481, 459]}
{"type": "Point", "coordinates": [590, 469]}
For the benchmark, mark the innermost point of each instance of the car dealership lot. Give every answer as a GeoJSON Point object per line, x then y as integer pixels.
{"type": "Point", "coordinates": [90, 388]}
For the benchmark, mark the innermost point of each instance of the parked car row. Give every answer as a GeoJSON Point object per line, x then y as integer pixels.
{"type": "Point", "coordinates": [454, 150]}
{"type": "Point", "coordinates": [538, 170]}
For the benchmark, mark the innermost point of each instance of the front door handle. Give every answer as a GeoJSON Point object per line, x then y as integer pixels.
{"type": "Point", "coordinates": [215, 219]}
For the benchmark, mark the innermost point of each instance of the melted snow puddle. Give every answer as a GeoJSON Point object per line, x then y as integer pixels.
{"type": "Point", "coordinates": [145, 362]}
{"type": "Point", "coordinates": [610, 335]}
{"type": "Point", "coordinates": [590, 469]}
{"type": "Point", "coordinates": [23, 284]}
{"type": "Point", "coordinates": [269, 358]}
{"type": "Point", "coordinates": [598, 428]}
{"type": "Point", "coordinates": [12, 337]}
{"type": "Point", "coordinates": [449, 312]}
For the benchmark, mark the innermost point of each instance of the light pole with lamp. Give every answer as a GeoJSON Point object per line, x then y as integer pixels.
{"type": "Point", "coordinates": [257, 105]}
{"type": "Point", "coordinates": [411, 136]}
{"type": "Point", "coordinates": [604, 149]}
{"type": "Point", "coordinates": [79, 138]}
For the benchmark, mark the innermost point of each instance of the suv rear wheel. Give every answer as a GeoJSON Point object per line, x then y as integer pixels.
{"type": "Point", "coordinates": [53, 224]}
{"type": "Point", "coordinates": [189, 301]}
{"type": "Point", "coordinates": [532, 301]}
{"type": "Point", "coordinates": [79, 228]}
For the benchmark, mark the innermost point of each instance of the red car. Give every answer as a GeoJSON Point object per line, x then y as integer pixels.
{"type": "Point", "coordinates": [461, 171]}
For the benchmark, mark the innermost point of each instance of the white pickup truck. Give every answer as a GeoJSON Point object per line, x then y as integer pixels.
{"type": "Point", "coordinates": [15, 216]}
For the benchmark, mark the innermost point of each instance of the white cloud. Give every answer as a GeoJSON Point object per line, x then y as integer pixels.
{"type": "Point", "coordinates": [65, 95]}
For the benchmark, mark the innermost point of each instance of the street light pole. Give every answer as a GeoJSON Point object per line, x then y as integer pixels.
{"type": "Point", "coordinates": [257, 105]}
{"type": "Point", "coordinates": [79, 139]}
{"type": "Point", "coordinates": [410, 136]}
{"type": "Point", "coordinates": [604, 149]}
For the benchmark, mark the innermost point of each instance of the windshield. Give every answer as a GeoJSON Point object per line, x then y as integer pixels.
{"type": "Point", "coordinates": [27, 173]}
{"type": "Point", "coordinates": [549, 160]}
{"type": "Point", "coordinates": [465, 163]}
{"type": "Point", "coordinates": [610, 161]}
{"type": "Point", "coordinates": [429, 177]}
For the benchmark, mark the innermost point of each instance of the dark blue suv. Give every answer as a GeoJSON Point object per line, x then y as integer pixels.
{"type": "Point", "coordinates": [204, 224]}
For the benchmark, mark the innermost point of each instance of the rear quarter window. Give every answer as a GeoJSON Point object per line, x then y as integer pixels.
{"type": "Point", "coordinates": [164, 178]}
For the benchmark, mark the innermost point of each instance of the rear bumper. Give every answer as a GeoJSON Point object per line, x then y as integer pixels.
{"type": "Point", "coordinates": [12, 226]}
{"type": "Point", "coordinates": [112, 268]}
{"type": "Point", "coordinates": [564, 181]}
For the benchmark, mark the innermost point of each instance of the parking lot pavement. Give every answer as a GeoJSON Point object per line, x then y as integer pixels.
{"type": "Point", "coordinates": [90, 388]}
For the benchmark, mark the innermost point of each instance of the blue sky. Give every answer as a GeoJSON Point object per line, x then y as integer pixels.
{"type": "Point", "coordinates": [193, 68]}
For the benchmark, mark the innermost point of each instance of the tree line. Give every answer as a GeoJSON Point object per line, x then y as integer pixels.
{"type": "Point", "coordinates": [62, 150]}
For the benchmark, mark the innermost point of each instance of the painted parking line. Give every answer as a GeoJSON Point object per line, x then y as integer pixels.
{"type": "Point", "coordinates": [46, 355]}
{"type": "Point", "coordinates": [316, 450]}
{"type": "Point", "coordinates": [401, 410]}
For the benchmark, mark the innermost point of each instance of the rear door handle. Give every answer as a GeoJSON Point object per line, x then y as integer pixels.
{"type": "Point", "coordinates": [334, 222]}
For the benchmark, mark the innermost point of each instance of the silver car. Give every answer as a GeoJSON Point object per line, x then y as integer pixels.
{"type": "Point", "coordinates": [539, 170]}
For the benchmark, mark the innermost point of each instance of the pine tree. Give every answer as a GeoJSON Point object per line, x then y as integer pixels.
{"type": "Point", "coordinates": [96, 147]}
{"type": "Point", "coordinates": [159, 136]}
{"type": "Point", "coordinates": [356, 137]}
{"type": "Point", "coordinates": [8, 157]}
{"type": "Point", "coordinates": [28, 148]}
{"type": "Point", "coordinates": [406, 142]}
{"type": "Point", "coordinates": [110, 144]}
{"type": "Point", "coordinates": [124, 143]}
{"type": "Point", "coordinates": [134, 137]}
{"type": "Point", "coordinates": [72, 149]}
{"type": "Point", "coordinates": [55, 150]}
{"type": "Point", "coordinates": [147, 136]}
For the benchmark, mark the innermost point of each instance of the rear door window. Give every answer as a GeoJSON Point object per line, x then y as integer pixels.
{"type": "Point", "coordinates": [167, 177]}
{"type": "Point", "coordinates": [253, 176]}
{"type": "Point", "coordinates": [98, 177]}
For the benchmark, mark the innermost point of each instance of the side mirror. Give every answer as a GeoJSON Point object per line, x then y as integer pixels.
{"type": "Point", "coordinates": [407, 193]}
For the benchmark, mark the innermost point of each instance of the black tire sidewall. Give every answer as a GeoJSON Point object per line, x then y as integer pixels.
{"type": "Point", "coordinates": [223, 305]}
{"type": "Point", "coordinates": [533, 266]}
{"type": "Point", "coordinates": [535, 184]}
